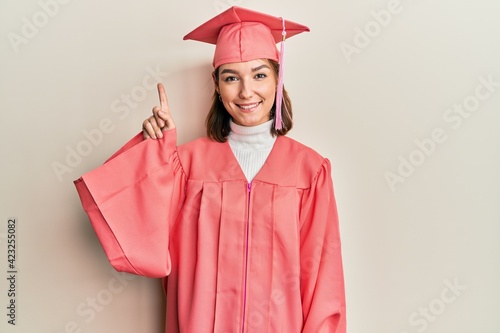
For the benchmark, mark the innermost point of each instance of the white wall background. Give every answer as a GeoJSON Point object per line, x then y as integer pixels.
{"type": "Point", "coordinates": [421, 251]}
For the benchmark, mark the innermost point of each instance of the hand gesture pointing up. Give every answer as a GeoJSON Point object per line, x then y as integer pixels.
{"type": "Point", "coordinates": [161, 120]}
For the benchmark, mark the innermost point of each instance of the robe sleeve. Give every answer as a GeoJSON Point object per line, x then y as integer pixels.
{"type": "Point", "coordinates": [132, 201]}
{"type": "Point", "coordinates": [322, 281]}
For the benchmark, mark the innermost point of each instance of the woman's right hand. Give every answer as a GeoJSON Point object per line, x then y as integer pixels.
{"type": "Point", "coordinates": [161, 120]}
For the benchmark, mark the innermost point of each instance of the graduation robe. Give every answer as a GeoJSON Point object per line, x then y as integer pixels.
{"type": "Point", "coordinates": [235, 256]}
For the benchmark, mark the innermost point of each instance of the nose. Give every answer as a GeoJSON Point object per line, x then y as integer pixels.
{"type": "Point", "coordinates": [246, 89]}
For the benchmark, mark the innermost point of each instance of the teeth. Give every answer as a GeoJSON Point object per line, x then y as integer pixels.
{"type": "Point", "coordinates": [248, 107]}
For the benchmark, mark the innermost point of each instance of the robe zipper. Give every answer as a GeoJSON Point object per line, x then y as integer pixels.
{"type": "Point", "coordinates": [249, 189]}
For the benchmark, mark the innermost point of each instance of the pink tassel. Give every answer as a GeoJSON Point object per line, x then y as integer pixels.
{"type": "Point", "coordinates": [279, 92]}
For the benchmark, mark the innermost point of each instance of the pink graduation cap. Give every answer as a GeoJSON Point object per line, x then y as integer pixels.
{"type": "Point", "coordinates": [241, 35]}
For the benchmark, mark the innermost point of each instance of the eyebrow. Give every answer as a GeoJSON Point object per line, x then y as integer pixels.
{"type": "Point", "coordinates": [232, 71]}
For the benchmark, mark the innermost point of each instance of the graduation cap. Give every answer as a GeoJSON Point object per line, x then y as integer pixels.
{"type": "Point", "coordinates": [241, 34]}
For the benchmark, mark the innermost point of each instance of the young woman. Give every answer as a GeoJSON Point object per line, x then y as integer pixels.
{"type": "Point", "coordinates": [242, 225]}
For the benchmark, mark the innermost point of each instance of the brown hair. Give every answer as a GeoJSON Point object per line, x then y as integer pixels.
{"type": "Point", "coordinates": [217, 121]}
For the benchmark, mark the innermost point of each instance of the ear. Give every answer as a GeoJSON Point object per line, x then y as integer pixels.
{"type": "Point", "coordinates": [216, 84]}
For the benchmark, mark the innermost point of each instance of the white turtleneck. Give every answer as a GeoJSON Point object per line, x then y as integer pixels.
{"type": "Point", "coordinates": [251, 146]}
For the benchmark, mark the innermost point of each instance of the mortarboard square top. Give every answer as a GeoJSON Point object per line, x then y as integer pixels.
{"type": "Point", "coordinates": [242, 35]}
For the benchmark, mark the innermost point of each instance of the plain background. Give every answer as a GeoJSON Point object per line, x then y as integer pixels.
{"type": "Point", "coordinates": [371, 110]}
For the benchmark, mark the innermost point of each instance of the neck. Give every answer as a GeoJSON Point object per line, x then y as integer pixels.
{"type": "Point", "coordinates": [251, 146]}
{"type": "Point", "coordinates": [256, 137]}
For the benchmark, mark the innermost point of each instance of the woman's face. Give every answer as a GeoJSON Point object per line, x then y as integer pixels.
{"type": "Point", "coordinates": [248, 90]}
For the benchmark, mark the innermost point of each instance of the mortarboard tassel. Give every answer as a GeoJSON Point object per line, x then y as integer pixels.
{"type": "Point", "coordinates": [279, 91]}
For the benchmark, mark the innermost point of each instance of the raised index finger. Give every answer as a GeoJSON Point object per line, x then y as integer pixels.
{"type": "Point", "coordinates": [163, 97]}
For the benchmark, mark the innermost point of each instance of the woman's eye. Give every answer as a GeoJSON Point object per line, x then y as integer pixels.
{"type": "Point", "coordinates": [230, 79]}
{"type": "Point", "coordinates": [261, 76]}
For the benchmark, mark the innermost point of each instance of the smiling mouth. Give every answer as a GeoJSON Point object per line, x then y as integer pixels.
{"type": "Point", "coordinates": [248, 107]}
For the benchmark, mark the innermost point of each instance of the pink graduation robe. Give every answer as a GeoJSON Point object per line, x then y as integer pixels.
{"type": "Point", "coordinates": [235, 256]}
